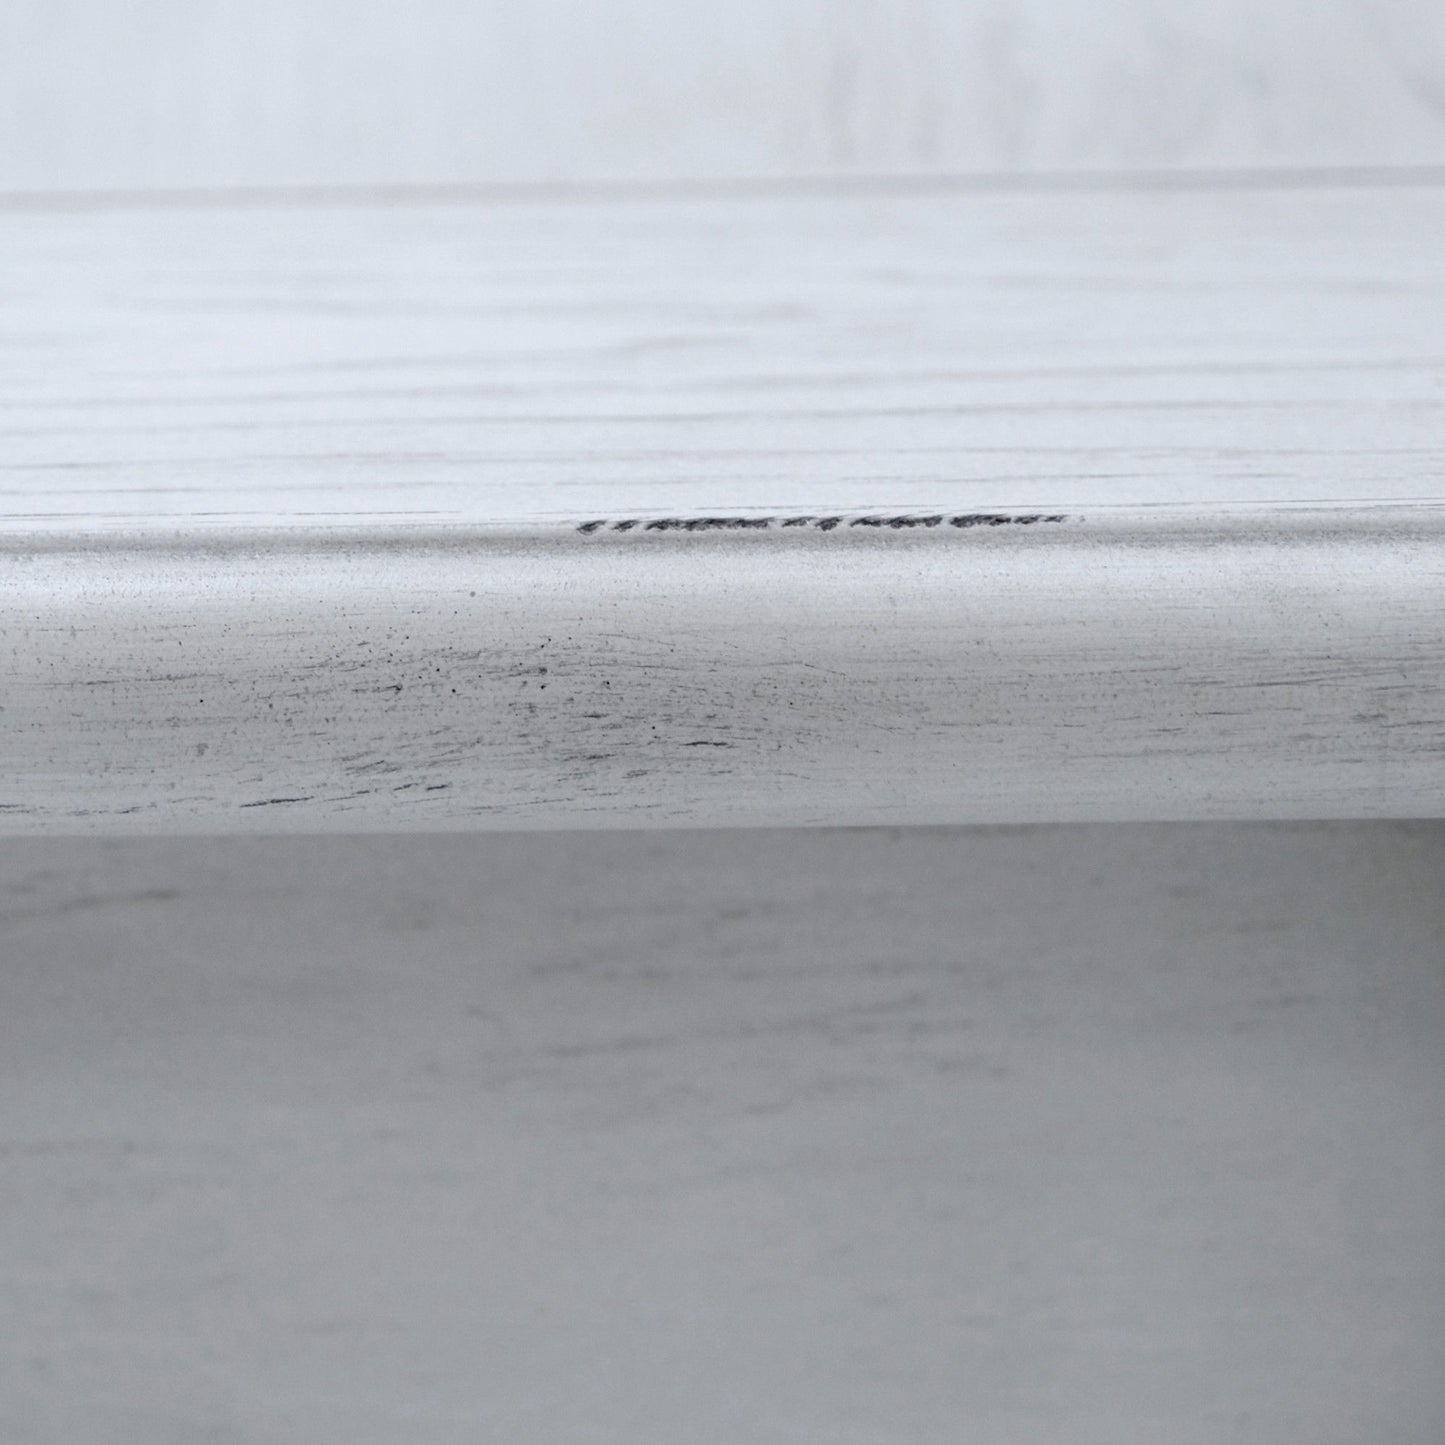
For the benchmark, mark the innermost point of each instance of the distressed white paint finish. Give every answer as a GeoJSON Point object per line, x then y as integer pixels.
{"type": "Point", "coordinates": [1097, 1136]}
{"type": "Point", "coordinates": [1128, 666]}
{"type": "Point", "coordinates": [315, 92]}
{"type": "Point", "coordinates": [828, 510]}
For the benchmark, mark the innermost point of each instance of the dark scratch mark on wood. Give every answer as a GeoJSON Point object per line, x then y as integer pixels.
{"type": "Point", "coordinates": [891, 521]}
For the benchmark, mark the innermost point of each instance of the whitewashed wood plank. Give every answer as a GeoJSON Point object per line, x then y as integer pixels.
{"type": "Point", "coordinates": [503, 365]}
{"type": "Point", "coordinates": [318, 92]}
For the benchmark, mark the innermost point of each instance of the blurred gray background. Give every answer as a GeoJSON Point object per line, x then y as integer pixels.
{"type": "Point", "coordinates": [1008, 1135]}
{"type": "Point", "coordinates": [220, 93]}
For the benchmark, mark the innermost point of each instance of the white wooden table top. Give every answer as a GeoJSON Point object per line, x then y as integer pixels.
{"type": "Point", "coordinates": [500, 365]}
{"type": "Point", "coordinates": [869, 508]}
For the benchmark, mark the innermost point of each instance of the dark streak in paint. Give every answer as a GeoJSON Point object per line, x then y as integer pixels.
{"type": "Point", "coordinates": [895, 522]}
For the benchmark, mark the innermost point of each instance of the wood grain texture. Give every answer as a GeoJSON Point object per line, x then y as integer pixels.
{"type": "Point", "coordinates": [504, 365]}
{"type": "Point", "coordinates": [851, 510]}
{"type": "Point", "coordinates": [1074, 1136]}
{"type": "Point", "coordinates": [318, 92]}
{"type": "Point", "coordinates": [1134, 666]}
